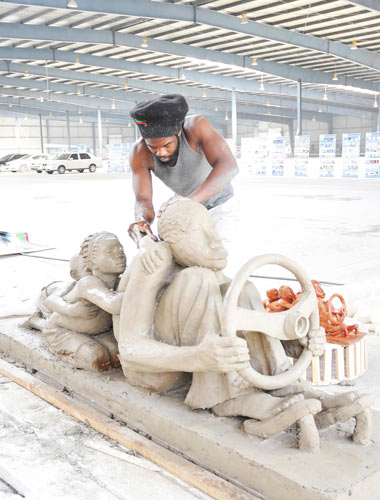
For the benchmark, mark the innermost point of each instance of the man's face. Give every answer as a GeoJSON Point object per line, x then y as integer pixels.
{"type": "Point", "coordinates": [163, 148]}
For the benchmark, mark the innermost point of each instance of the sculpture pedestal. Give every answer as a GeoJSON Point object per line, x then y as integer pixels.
{"type": "Point", "coordinates": [275, 467]}
{"type": "Point", "coordinates": [340, 361]}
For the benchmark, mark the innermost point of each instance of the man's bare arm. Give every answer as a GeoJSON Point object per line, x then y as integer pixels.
{"type": "Point", "coordinates": [218, 154]}
{"type": "Point", "coordinates": [140, 161]}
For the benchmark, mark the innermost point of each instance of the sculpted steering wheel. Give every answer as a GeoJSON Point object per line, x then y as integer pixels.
{"type": "Point", "coordinates": [295, 323]}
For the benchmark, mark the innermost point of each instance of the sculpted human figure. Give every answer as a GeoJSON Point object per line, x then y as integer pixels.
{"type": "Point", "coordinates": [72, 314]}
{"type": "Point", "coordinates": [179, 285]}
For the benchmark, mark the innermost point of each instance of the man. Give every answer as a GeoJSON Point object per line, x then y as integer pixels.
{"type": "Point", "coordinates": [187, 154]}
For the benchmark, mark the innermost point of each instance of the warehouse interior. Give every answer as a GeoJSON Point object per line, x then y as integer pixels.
{"type": "Point", "coordinates": [293, 86]}
{"type": "Point", "coordinates": [301, 67]}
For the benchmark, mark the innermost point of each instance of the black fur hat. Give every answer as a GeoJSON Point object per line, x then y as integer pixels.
{"type": "Point", "coordinates": [161, 117]}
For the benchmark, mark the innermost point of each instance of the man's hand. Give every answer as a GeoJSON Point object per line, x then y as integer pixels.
{"type": "Point", "coordinates": [222, 354]}
{"type": "Point", "coordinates": [139, 229]}
{"type": "Point", "coordinates": [170, 201]}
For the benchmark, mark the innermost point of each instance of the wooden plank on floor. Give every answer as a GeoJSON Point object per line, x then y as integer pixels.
{"type": "Point", "coordinates": [194, 475]}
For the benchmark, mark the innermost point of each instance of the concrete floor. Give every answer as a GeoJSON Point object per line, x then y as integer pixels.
{"type": "Point", "coordinates": [329, 226]}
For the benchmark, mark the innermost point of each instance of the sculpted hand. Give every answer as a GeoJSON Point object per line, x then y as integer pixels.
{"type": "Point", "coordinates": [315, 341]}
{"type": "Point", "coordinates": [156, 258]}
{"type": "Point", "coordinates": [222, 354]}
{"type": "Point", "coordinates": [170, 201]}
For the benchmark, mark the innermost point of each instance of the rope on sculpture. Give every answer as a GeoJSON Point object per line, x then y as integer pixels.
{"type": "Point", "coordinates": [331, 317]}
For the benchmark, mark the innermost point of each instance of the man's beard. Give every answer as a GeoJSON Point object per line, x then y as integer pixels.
{"type": "Point", "coordinates": [173, 158]}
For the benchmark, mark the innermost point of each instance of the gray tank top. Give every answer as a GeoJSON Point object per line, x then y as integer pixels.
{"type": "Point", "coordinates": [190, 171]}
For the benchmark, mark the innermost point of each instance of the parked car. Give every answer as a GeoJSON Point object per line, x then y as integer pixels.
{"type": "Point", "coordinates": [17, 163]}
{"type": "Point", "coordinates": [6, 158]}
{"type": "Point", "coordinates": [35, 162]}
{"type": "Point", "coordinates": [71, 161]}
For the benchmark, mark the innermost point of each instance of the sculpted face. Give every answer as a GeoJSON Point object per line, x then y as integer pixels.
{"type": "Point", "coordinates": [164, 148]}
{"type": "Point", "coordinates": [188, 228]}
{"type": "Point", "coordinates": [109, 256]}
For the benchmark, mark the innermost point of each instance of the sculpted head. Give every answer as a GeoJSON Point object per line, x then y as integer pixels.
{"type": "Point", "coordinates": [188, 229]}
{"type": "Point", "coordinates": [103, 252]}
{"type": "Point", "coordinates": [77, 267]}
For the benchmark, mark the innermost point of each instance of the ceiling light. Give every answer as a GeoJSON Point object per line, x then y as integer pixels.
{"type": "Point", "coordinates": [267, 103]}
{"type": "Point", "coordinates": [51, 113]}
{"type": "Point", "coordinates": [204, 94]}
{"type": "Point", "coordinates": [42, 98]}
{"type": "Point", "coordinates": [129, 124]}
{"type": "Point", "coordinates": [325, 96]}
{"type": "Point", "coordinates": [262, 86]}
{"type": "Point", "coordinates": [375, 103]}
{"type": "Point", "coordinates": [319, 109]}
{"type": "Point", "coordinates": [182, 75]}
{"type": "Point", "coordinates": [335, 77]}
{"type": "Point", "coordinates": [125, 84]}
{"type": "Point", "coordinates": [79, 111]}
{"type": "Point", "coordinates": [9, 104]}
{"type": "Point", "coordinates": [313, 119]}
{"type": "Point", "coordinates": [216, 108]}
{"type": "Point", "coordinates": [268, 113]}
{"type": "Point", "coordinates": [77, 60]}
{"type": "Point", "coordinates": [226, 117]}
{"type": "Point", "coordinates": [354, 45]}
{"type": "Point", "coordinates": [71, 4]}
{"type": "Point", "coordinates": [25, 117]}
{"type": "Point", "coordinates": [144, 43]}
{"type": "Point", "coordinates": [80, 120]}
{"type": "Point", "coordinates": [113, 104]}
{"type": "Point", "coordinates": [244, 19]}
{"type": "Point", "coordinates": [78, 91]}
{"type": "Point", "coordinates": [254, 61]}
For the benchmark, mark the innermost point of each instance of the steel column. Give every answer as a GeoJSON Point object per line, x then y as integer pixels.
{"type": "Point", "coordinates": [234, 121]}
{"type": "Point", "coordinates": [93, 138]}
{"type": "Point", "coordinates": [17, 134]}
{"type": "Point", "coordinates": [100, 133]}
{"type": "Point", "coordinates": [41, 135]}
{"type": "Point", "coordinates": [299, 107]}
{"type": "Point", "coordinates": [68, 129]}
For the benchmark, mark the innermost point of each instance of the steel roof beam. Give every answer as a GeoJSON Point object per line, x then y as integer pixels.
{"type": "Point", "coordinates": [114, 38]}
{"type": "Point", "coordinates": [219, 81]}
{"type": "Point", "coordinates": [193, 14]}
{"type": "Point", "coordinates": [366, 4]}
{"type": "Point", "coordinates": [93, 94]}
{"type": "Point", "coordinates": [74, 103]}
{"type": "Point", "coordinates": [85, 77]}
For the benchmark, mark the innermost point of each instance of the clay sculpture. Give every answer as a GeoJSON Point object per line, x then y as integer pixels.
{"type": "Point", "coordinates": [196, 321]}
{"type": "Point", "coordinates": [75, 317]}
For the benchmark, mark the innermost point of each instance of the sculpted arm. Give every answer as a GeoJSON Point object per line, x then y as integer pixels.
{"type": "Point", "coordinates": [140, 161]}
{"type": "Point", "coordinates": [139, 351]}
{"type": "Point", "coordinates": [218, 154]}
{"type": "Point", "coordinates": [58, 304]}
{"type": "Point", "coordinates": [96, 292]}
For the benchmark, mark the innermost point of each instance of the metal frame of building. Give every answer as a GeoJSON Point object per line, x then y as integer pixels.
{"type": "Point", "coordinates": [109, 55]}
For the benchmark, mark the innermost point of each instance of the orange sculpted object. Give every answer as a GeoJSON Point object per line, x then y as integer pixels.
{"type": "Point", "coordinates": [331, 318]}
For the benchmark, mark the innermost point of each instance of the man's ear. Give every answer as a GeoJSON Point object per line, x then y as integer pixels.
{"type": "Point", "coordinates": [179, 133]}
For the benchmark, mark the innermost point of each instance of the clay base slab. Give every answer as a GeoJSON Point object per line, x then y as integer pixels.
{"type": "Point", "coordinates": [275, 468]}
